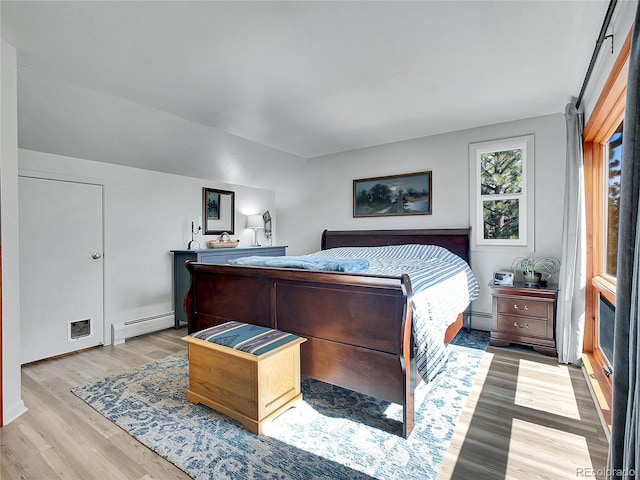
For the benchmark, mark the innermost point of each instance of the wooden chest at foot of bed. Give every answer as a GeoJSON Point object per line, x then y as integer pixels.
{"type": "Point", "coordinates": [249, 373]}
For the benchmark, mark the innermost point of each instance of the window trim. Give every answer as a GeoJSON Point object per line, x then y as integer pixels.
{"type": "Point", "coordinates": [526, 198]}
{"type": "Point", "coordinates": [603, 122]}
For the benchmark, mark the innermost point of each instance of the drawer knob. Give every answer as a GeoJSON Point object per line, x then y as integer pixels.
{"type": "Point", "coordinates": [516, 307]}
{"type": "Point", "coordinates": [515, 324]}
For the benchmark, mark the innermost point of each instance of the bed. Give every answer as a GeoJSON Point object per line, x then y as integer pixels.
{"type": "Point", "coordinates": [359, 326]}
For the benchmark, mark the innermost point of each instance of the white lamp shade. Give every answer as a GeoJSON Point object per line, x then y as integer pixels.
{"type": "Point", "coordinates": [255, 221]}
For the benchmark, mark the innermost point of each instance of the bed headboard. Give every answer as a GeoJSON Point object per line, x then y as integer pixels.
{"type": "Point", "coordinates": [456, 240]}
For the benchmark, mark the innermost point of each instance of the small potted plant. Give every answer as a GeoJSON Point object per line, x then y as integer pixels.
{"type": "Point", "coordinates": [533, 269]}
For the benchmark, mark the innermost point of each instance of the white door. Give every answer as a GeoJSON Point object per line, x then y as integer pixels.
{"type": "Point", "coordinates": [61, 267]}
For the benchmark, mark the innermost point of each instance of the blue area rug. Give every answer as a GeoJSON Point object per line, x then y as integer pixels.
{"type": "Point", "coordinates": [334, 433]}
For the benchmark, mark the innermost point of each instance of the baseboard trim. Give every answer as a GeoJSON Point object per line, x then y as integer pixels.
{"type": "Point", "coordinates": [133, 328]}
{"type": "Point", "coordinates": [13, 412]}
{"type": "Point", "coordinates": [480, 320]}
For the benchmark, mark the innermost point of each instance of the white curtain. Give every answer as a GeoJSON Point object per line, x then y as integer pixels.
{"type": "Point", "coordinates": [572, 281]}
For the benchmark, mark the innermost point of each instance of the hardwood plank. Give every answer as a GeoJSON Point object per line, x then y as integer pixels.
{"type": "Point", "coordinates": [527, 417]}
{"type": "Point", "coordinates": [504, 431]}
{"type": "Point", "coordinates": [63, 437]}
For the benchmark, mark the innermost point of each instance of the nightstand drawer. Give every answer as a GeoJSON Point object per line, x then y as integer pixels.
{"type": "Point", "coordinates": [519, 306]}
{"type": "Point", "coordinates": [523, 326]}
{"type": "Point", "coordinates": [524, 316]}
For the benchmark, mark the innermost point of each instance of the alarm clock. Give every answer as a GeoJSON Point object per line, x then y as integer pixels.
{"type": "Point", "coordinates": [503, 278]}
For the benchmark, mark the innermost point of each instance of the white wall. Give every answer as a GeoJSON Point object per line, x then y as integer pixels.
{"type": "Point", "coordinates": [319, 196]}
{"type": "Point", "coordinates": [111, 129]}
{"type": "Point", "coordinates": [13, 406]}
{"type": "Point", "coordinates": [147, 214]}
{"type": "Point", "coordinates": [620, 26]}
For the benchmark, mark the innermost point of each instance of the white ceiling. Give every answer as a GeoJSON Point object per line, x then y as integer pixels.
{"type": "Point", "coordinates": [104, 80]}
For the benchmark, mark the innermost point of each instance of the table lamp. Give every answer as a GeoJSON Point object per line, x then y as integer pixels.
{"type": "Point", "coordinates": [255, 222]}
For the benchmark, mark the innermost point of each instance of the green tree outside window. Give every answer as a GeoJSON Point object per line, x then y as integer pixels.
{"type": "Point", "coordinates": [501, 174]}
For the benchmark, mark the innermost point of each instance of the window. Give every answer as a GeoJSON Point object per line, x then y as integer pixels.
{"type": "Point", "coordinates": [612, 168]}
{"type": "Point", "coordinates": [602, 163]}
{"type": "Point", "coordinates": [501, 191]}
{"type": "Point", "coordinates": [606, 320]}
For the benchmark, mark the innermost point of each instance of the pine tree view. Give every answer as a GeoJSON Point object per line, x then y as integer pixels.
{"type": "Point", "coordinates": [501, 175]}
{"type": "Point", "coordinates": [613, 200]}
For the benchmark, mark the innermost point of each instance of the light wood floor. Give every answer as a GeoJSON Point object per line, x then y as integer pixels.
{"type": "Point", "coordinates": [527, 418]}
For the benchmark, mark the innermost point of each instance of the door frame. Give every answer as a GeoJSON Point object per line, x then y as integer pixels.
{"type": "Point", "coordinates": [106, 283]}
{"type": "Point", "coordinates": [1, 382]}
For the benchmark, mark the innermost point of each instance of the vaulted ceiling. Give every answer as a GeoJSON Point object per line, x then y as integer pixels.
{"type": "Point", "coordinates": [208, 87]}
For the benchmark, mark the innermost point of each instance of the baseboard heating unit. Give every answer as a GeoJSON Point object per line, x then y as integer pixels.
{"type": "Point", "coordinates": [133, 328]}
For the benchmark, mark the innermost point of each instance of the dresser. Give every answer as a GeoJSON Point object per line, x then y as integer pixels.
{"type": "Point", "coordinates": [218, 256]}
{"type": "Point", "coordinates": [524, 316]}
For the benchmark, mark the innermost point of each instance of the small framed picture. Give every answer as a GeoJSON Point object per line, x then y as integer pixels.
{"type": "Point", "coordinates": [218, 211]}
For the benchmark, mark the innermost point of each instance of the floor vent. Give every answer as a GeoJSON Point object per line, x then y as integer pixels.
{"type": "Point", "coordinates": [79, 329]}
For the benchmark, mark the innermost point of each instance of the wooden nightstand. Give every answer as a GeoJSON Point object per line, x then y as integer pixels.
{"type": "Point", "coordinates": [524, 315]}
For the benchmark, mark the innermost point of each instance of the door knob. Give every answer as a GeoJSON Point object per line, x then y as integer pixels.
{"type": "Point", "coordinates": [96, 256]}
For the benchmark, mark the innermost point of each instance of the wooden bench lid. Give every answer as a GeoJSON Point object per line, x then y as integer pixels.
{"type": "Point", "coordinates": [246, 338]}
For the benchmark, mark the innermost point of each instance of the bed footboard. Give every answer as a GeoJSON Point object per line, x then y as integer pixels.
{"type": "Point", "coordinates": [358, 327]}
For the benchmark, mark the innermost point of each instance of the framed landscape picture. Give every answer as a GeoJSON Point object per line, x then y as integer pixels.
{"type": "Point", "coordinates": [408, 194]}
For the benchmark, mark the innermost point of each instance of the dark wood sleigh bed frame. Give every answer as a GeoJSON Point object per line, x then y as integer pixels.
{"type": "Point", "coordinates": [357, 326]}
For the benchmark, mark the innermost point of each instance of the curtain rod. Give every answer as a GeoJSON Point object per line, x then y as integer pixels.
{"type": "Point", "coordinates": [601, 38]}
